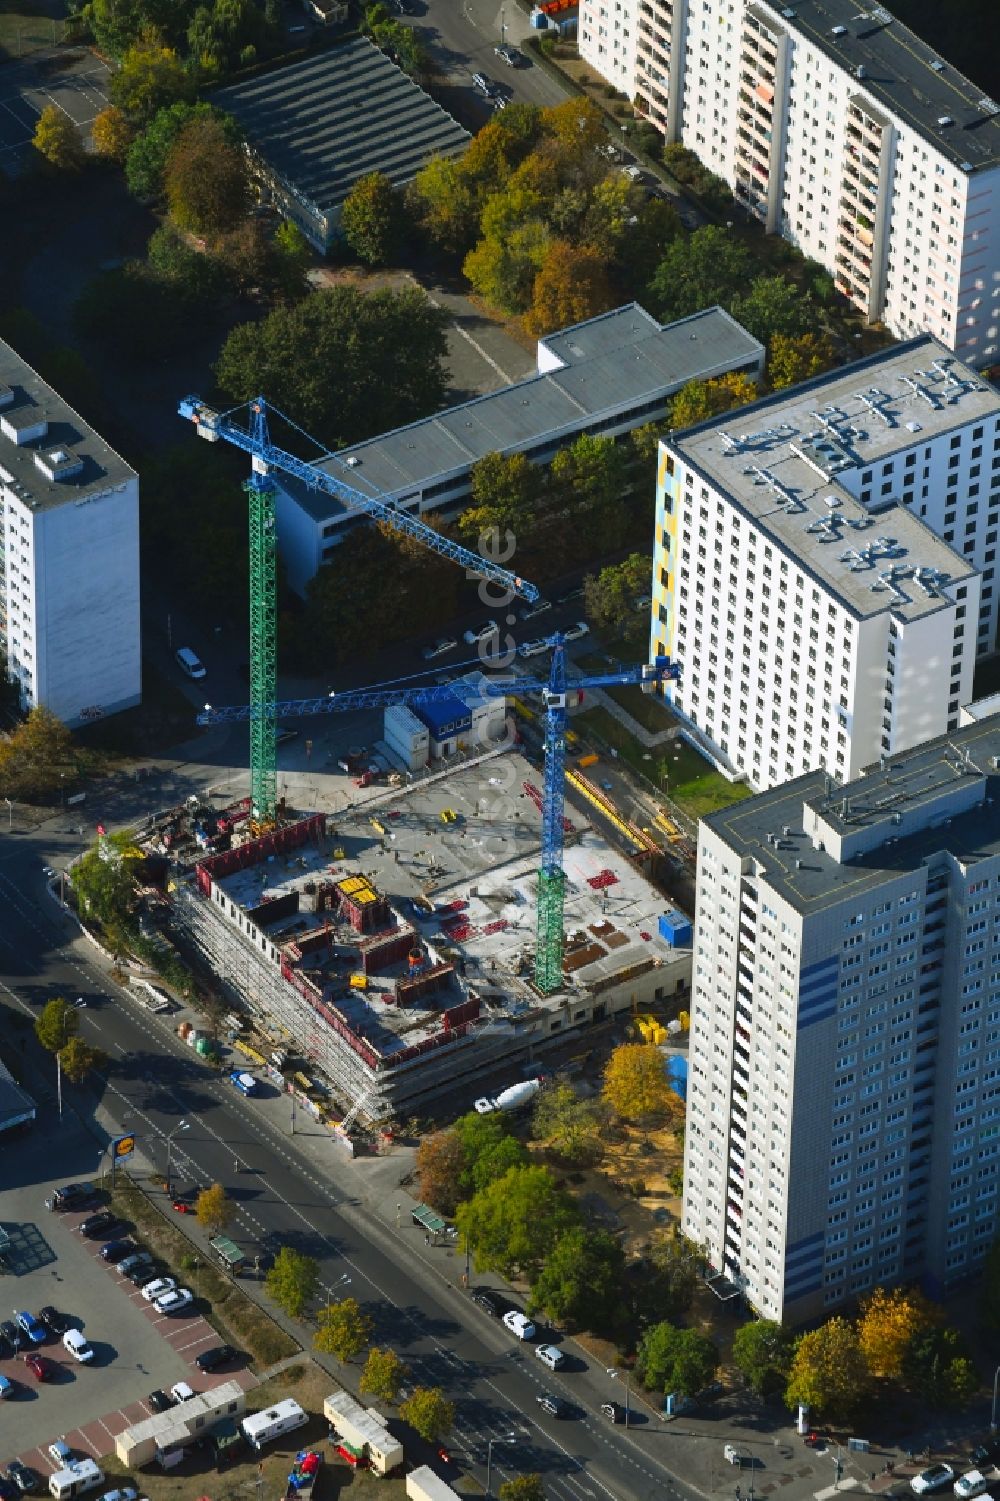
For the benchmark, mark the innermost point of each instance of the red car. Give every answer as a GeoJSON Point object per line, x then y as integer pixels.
{"type": "Point", "coordinates": [40, 1367]}
{"type": "Point", "coordinates": [182, 1207]}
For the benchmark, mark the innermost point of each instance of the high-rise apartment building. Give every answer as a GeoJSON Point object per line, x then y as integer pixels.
{"type": "Point", "coordinates": [69, 555]}
{"type": "Point", "coordinates": [841, 130]}
{"type": "Point", "coordinates": [843, 1106]}
{"type": "Point", "coordinates": [824, 564]}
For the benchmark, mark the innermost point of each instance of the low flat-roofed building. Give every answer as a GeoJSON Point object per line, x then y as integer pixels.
{"type": "Point", "coordinates": [606, 376]}
{"type": "Point", "coordinates": [316, 127]}
{"type": "Point", "coordinates": [17, 1108]}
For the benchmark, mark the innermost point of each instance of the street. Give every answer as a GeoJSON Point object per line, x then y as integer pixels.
{"type": "Point", "coordinates": [461, 36]}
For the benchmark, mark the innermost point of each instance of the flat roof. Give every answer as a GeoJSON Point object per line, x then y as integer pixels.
{"type": "Point", "coordinates": [922, 783]}
{"type": "Point", "coordinates": [16, 1105]}
{"type": "Point", "coordinates": [781, 461]}
{"type": "Point", "coordinates": [902, 73]}
{"type": "Point", "coordinates": [84, 463]}
{"type": "Point", "coordinates": [619, 359]}
{"type": "Point", "coordinates": [326, 121]}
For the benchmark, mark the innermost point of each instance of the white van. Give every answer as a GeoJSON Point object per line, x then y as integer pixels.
{"type": "Point", "coordinates": [189, 663]}
{"type": "Point", "coordinates": [84, 1475]}
{"type": "Point", "coordinates": [259, 1428]}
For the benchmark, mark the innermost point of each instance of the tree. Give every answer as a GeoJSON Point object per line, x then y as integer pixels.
{"type": "Point", "coordinates": [112, 134]}
{"type": "Point", "coordinates": [570, 1126]}
{"type": "Point", "coordinates": [428, 1411]}
{"type": "Point", "coordinates": [212, 1209]}
{"type": "Point", "coordinates": [115, 24]}
{"type": "Point", "coordinates": [440, 1163]}
{"type": "Point", "coordinates": [258, 265]}
{"type": "Point", "coordinates": [104, 880]}
{"type": "Point", "coordinates": [790, 359]}
{"type": "Point", "coordinates": [513, 1223]}
{"type": "Point", "coordinates": [762, 1355]}
{"type": "Point", "coordinates": [502, 267]}
{"type": "Point", "coordinates": [78, 1059]}
{"type": "Point", "coordinates": [771, 306]}
{"type": "Point", "coordinates": [701, 399]}
{"type": "Point", "coordinates": [196, 278]}
{"type": "Point", "coordinates": [635, 1083]}
{"type": "Point", "coordinates": [383, 1375]}
{"type": "Point", "coordinates": [580, 1284]}
{"type": "Point", "coordinates": [57, 139]}
{"type": "Point", "coordinates": [488, 1149]}
{"type": "Point", "coordinates": [56, 1025]}
{"type": "Point", "coordinates": [706, 267]}
{"type": "Point", "coordinates": [147, 155]}
{"type": "Point", "coordinates": [577, 124]}
{"type": "Point", "coordinates": [572, 284]}
{"type": "Point", "coordinates": [888, 1324]}
{"type": "Point", "coordinates": [37, 759]}
{"type": "Point", "coordinates": [344, 363]}
{"type": "Point", "coordinates": [133, 312]}
{"type": "Point", "coordinates": [676, 1360]}
{"type": "Point", "coordinates": [295, 256]}
{"type": "Point", "coordinates": [828, 1372]}
{"type": "Point", "coordinates": [506, 489]}
{"type": "Point", "coordinates": [150, 78]}
{"type": "Point", "coordinates": [675, 1265]}
{"type": "Point", "coordinates": [292, 1281]}
{"type": "Point", "coordinates": [523, 1488]}
{"type": "Point", "coordinates": [937, 1368]}
{"type": "Point", "coordinates": [344, 1329]}
{"type": "Point", "coordinates": [609, 597]}
{"type": "Point", "coordinates": [206, 179]}
{"type": "Point", "coordinates": [371, 219]}
{"type": "Point", "coordinates": [590, 472]}
{"type": "Point", "coordinates": [442, 201]}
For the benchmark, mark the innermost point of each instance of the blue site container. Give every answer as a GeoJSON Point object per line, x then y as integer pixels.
{"type": "Point", "coordinates": [677, 1074]}
{"type": "Point", "coordinates": [675, 929]}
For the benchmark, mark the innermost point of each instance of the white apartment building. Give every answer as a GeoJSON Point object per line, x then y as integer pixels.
{"type": "Point", "coordinates": [825, 565]}
{"type": "Point", "coordinates": [69, 555]}
{"type": "Point", "coordinates": [843, 1104]}
{"type": "Point", "coordinates": [841, 130]}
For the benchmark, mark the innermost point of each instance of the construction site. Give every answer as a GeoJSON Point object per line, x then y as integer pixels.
{"type": "Point", "coordinates": [391, 948]}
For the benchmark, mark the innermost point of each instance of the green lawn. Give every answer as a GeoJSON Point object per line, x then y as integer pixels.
{"type": "Point", "coordinates": [694, 785]}
{"type": "Point", "coordinates": [647, 709]}
{"type": "Point", "coordinates": [26, 25]}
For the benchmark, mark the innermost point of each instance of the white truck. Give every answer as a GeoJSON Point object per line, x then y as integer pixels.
{"type": "Point", "coordinates": [514, 1098]}
{"type": "Point", "coordinates": [259, 1428]}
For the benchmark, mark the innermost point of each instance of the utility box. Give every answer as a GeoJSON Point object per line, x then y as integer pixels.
{"type": "Point", "coordinates": [675, 928]}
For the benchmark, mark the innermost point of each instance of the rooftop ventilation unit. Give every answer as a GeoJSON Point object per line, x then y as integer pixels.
{"type": "Point", "coordinates": [914, 427]}
{"type": "Point", "coordinates": [930, 397]}
{"type": "Point", "coordinates": [24, 425]}
{"type": "Point", "coordinates": [873, 399]}
{"type": "Point", "coordinates": [833, 501]}
{"type": "Point", "coordinates": [781, 492]}
{"type": "Point", "coordinates": [58, 463]}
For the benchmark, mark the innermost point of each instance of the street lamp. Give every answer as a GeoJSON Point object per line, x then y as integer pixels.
{"type": "Point", "coordinates": [618, 1376]}
{"type": "Point", "coordinates": [180, 1126]}
{"type": "Point", "coordinates": [993, 1413]}
{"type": "Point", "coordinates": [343, 1282]}
{"type": "Point", "coordinates": [504, 1438]}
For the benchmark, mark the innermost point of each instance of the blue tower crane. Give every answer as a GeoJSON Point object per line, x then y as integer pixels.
{"type": "Point", "coordinates": [554, 696]}
{"type": "Point", "coordinates": [254, 438]}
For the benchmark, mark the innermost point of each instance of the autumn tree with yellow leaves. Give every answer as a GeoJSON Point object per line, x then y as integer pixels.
{"type": "Point", "coordinates": [890, 1321]}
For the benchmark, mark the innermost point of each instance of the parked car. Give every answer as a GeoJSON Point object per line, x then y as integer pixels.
{"type": "Point", "coordinates": [508, 55]}
{"type": "Point", "coordinates": [159, 1401]}
{"type": "Point", "coordinates": [539, 607]}
{"type": "Point", "coordinates": [8, 1490]}
{"type": "Point", "coordinates": [60, 1454]}
{"type": "Point", "coordinates": [117, 1250]}
{"type": "Point", "coordinates": [986, 1453]}
{"type": "Point", "coordinates": [99, 1226]}
{"type": "Point", "coordinates": [734, 1455]}
{"type": "Point", "coordinates": [135, 1262]}
{"type": "Point", "coordinates": [143, 1272]}
{"type": "Point", "coordinates": [575, 632]}
{"type": "Point", "coordinates": [7, 1387]}
{"type": "Point", "coordinates": [283, 733]}
{"type": "Point", "coordinates": [76, 1344]}
{"type": "Point", "coordinates": [613, 1410]}
{"type": "Point", "coordinates": [556, 1407]}
{"type": "Point", "coordinates": [471, 638]}
{"type": "Point", "coordinates": [40, 1367]}
{"type": "Point", "coordinates": [23, 1476]}
{"type": "Point", "coordinates": [519, 1324]}
{"type": "Point", "coordinates": [937, 1478]}
{"type": "Point", "coordinates": [973, 1483]}
{"type": "Point", "coordinates": [123, 1493]}
{"type": "Point", "coordinates": [439, 648]}
{"type": "Point", "coordinates": [533, 648]}
{"type": "Point", "coordinates": [633, 171]}
{"type": "Point", "coordinates": [158, 1287]}
{"type": "Point", "coordinates": [74, 1196]}
{"type": "Point", "coordinates": [30, 1326]}
{"type": "Point", "coordinates": [182, 1391]}
{"type": "Point", "coordinates": [11, 1335]}
{"type": "Point", "coordinates": [551, 1356]}
{"type": "Point", "coordinates": [483, 84]}
{"type": "Point", "coordinates": [189, 662]}
{"type": "Point", "coordinates": [56, 1323]}
{"type": "Point", "coordinates": [218, 1355]}
{"type": "Point", "coordinates": [175, 1301]}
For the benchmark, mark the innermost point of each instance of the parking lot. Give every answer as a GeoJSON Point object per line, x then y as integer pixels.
{"type": "Point", "coordinates": [75, 81]}
{"type": "Point", "coordinates": [136, 1350]}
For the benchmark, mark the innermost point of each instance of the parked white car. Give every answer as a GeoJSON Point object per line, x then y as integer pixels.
{"type": "Point", "coordinates": [575, 632]}
{"type": "Point", "coordinates": [76, 1344]}
{"type": "Point", "coordinates": [533, 648]}
{"type": "Point", "coordinates": [181, 1391]}
{"type": "Point", "coordinates": [934, 1479]}
{"type": "Point", "coordinates": [519, 1324]}
{"type": "Point", "coordinates": [181, 1297]}
{"type": "Point", "coordinates": [472, 638]}
{"type": "Point", "coordinates": [551, 1356]}
{"type": "Point", "coordinates": [973, 1483]}
{"type": "Point", "coordinates": [158, 1287]}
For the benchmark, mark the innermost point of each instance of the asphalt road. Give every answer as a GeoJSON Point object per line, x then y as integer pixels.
{"type": "Point", "coordinates": [461, 36]}
{"type": "Point", "coordinates": [156, 1083]}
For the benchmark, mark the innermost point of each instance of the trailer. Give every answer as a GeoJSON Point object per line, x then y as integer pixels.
{"type": "Point", "coordinates": [361, 1435]}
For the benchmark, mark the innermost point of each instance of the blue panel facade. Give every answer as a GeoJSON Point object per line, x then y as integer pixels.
{"type": "Point", "coordinates": [818, 986]}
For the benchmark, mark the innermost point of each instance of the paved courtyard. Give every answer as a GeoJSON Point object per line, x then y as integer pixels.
{"type": "Point", "coordinates": [136, 1350]}
{"type": "Point", "coordinates": [75, 81]}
